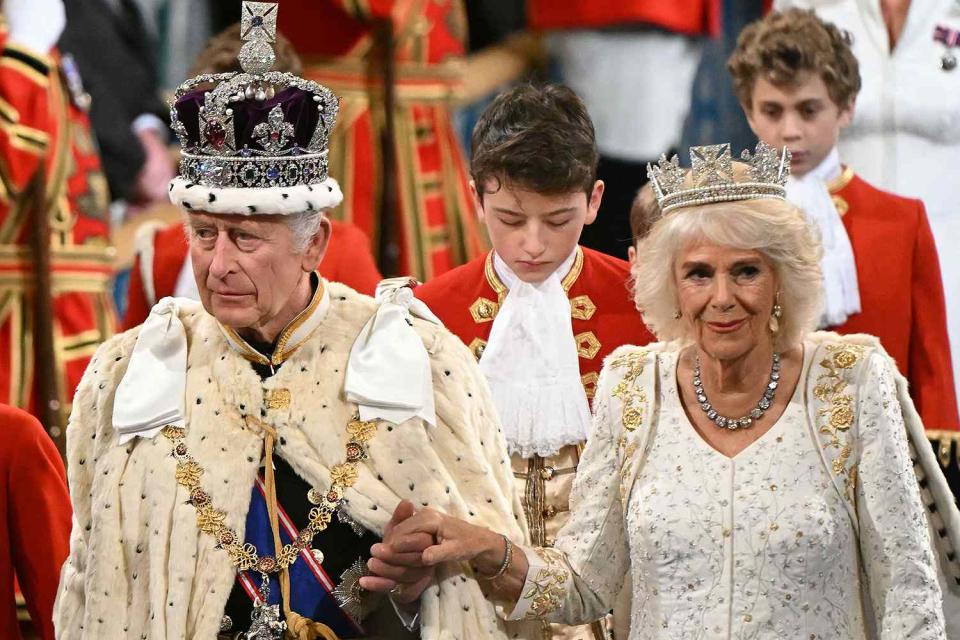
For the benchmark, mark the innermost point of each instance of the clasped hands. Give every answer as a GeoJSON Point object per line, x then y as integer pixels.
{"type": "Point", "coordinates": [416, 541]}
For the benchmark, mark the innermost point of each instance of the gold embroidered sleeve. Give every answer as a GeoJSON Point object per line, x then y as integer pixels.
{"type": "Point", "coordinates": [577, 581]}
{"type": "Point", "coordinates": [549, 579]}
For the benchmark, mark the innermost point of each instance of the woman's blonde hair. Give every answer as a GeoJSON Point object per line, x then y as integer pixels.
{"type": "Point", "coordinates": [773, 227]}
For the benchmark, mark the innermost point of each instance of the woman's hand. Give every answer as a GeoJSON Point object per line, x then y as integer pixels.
{"type": "Point", "coordinates": [415, 542]}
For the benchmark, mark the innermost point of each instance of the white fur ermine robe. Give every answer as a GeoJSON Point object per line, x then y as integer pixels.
{"type": "Point", "coordinates": [140, 568]}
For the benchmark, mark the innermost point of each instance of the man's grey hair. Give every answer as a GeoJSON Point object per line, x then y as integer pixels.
{"type": "Point", "coordinates": [304, 226]}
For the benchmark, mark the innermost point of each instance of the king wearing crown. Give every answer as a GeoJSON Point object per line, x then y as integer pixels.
{"type": "Point", "coordinates": [232, 463]}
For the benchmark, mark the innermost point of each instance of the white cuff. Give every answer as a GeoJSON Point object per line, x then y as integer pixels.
{"type": "Point", "coordinates": [150, 122]}
{"type": "Point", "coordinates": [409, 619]}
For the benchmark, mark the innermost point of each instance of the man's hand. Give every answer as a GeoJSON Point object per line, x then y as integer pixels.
{"type": "Point", "coordinates": [393, 569]}
{"type": "Point", "coordinates": [157, 171]}
{"type": "Point", "coordinates": [416, 541]}
{"type": "Point", "coordinates": [35, 24]}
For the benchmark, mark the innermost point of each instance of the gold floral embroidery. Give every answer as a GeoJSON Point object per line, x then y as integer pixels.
{"type": "Point", "coordinates": [836, 418]}
{"type": "Point", "coordinates": [244, 555]}
{"type": "Point", "coordinates": [547, 587]}
{"type": "Point", "coordinates": [633, 398]}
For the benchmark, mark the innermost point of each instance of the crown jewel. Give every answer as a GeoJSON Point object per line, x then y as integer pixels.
{"type": "Point", "coordinates": [712, 177]}
{"type": "Point", "coordinates": [256, 128]}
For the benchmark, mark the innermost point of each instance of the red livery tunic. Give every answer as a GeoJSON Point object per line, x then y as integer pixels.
{"type": "Point", "coordinates": [604, 317]}
{"type": "Point", "coordinates": [901, 292]}
{"type": "Point", "coordinates": [48, 160]}
{"type": "Point", "coordinates": [690, 17]}
{"type": "Point", "coordinates": [34, 521]}
{"type": "Point", "coordinates": [433, 224]}
{"type": "Point", "coordinates": [347, 260]}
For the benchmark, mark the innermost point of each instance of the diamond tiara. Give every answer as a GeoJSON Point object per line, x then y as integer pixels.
{"type": "Point", "coordinates": [712, 177]}
{"type": "Point", "coordinates": [257, 128]}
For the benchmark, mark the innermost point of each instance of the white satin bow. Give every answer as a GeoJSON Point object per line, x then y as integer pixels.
{"type": "Point", "coordinates": [388, 373]}
{"type": "Point", "coordinates": [150, 394]}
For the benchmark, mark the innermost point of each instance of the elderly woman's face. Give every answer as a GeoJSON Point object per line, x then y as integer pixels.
{"type": "Point", "coordinates": [247, 269]}
{"type": "Point", "coordinates": [726, 296]}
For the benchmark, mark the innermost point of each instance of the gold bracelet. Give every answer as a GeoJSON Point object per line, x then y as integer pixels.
{"type": "Point", "coordinates": [507, 558]}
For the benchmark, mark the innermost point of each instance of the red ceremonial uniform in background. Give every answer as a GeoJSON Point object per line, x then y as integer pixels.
{"type": "Point", "coordinates": [49, 162]}
{"type": "Point", "coordinates": [691, 17]}
{"type": "Point", "coordinates": [34, 521]}
{"type": "Point", "coordinates": [347, 260]}
{"type": "Point", "coordinates": [433, 225]}
{"type": "Point", "coordinates": [901, 292]}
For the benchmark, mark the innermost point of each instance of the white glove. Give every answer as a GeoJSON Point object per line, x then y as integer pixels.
{"type": "Point", "coordinates": [35, 24]}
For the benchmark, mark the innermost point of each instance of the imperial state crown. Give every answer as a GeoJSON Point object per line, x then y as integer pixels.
{"type": "Point", "coordinates": [254, 142]}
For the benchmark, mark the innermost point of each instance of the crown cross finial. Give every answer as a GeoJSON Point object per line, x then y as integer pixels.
{"type": "Point", "coordinates": [258, 28]}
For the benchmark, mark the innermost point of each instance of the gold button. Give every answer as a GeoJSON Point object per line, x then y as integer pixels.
{"type": "Point", "coordinates": [550, 541]}
{"type": "Point", "coordinates": [726, 533]}
{"type": "Point", "coordinates": [550, 511]}
{"type": "Point", "coordinates": [547, 473]}
{"type": "Point", "coordinates": [748, 618]}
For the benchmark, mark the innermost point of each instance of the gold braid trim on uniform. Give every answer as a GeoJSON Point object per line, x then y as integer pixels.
{"type": "Point", "coordinates": [836, 418]}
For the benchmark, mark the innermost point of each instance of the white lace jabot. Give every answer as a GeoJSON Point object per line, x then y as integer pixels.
{"type": "Point", "coordinates": [841, 297]}
{"type": "Point", "coordinates": [532, 366]}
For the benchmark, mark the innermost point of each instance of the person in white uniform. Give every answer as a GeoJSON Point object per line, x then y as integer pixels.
{"type": "Point", "coordinates": [751, 477]}
{"type": "Point", "coordinates": [905, 134]}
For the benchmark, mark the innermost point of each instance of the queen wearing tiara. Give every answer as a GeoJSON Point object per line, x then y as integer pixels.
{"type": "Point", "coordinates": [746, 477]}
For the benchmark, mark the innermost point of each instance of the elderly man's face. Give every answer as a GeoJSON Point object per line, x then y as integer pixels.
{"type": "Point", "coordinates": [248, 270]}
{"type": "Point", "coordinates": [726, 296]}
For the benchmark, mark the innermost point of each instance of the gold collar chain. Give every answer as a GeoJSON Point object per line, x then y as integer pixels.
{"type": "Point", "coordinates": [244, 555]}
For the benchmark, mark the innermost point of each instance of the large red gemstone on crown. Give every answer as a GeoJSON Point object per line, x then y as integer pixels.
{"type": "Point", "coordinates": [274, 135]}
{"type": "Point", "coordinates": [215, 134]}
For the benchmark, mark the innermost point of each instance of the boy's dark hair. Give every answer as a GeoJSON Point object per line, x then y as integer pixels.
{"type": "Point", "coordinates": [538, 137]}
{"type": "Point", "coordinates": [784, 45]}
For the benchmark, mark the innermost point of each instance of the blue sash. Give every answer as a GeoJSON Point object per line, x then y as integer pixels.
{"type": "Point", "coordinates": [310, 587]}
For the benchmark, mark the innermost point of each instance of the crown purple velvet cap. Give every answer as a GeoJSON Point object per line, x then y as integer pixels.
{"type": "Point", "coordinates": [254, 141]}
{"type": "Point", "coordinates": [297, 106]}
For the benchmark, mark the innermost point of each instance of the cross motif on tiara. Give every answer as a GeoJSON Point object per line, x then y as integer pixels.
{"type": "Point", "coordinates": [711, 165]}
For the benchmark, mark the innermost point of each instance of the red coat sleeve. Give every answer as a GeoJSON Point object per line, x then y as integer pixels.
{"type": "Point", "coordinates": [366, 9]}
{"type": "Point", "coordinates": [25, 121]}
{"type": "Point", "coordinates": [930, 369]}
{"type": "Point", "coordinates": [137, 306]}
{"type": "Point", "coordinates": [350, 261]}
{"type": "Point", "coordinates": [39, 517]}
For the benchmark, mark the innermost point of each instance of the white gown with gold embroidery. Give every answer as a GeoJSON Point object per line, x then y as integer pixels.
{"type": "Point", "coordinates": [756, 546]}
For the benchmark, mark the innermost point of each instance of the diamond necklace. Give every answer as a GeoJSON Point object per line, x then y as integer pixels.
{"type": "Point", "coordinates": [737, 423]}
